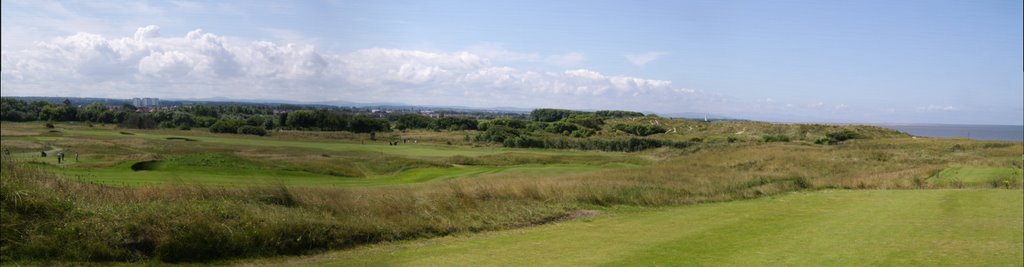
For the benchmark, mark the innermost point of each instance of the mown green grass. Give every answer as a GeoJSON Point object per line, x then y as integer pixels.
{"type": "Point", "coordinates": [826, 228]}
{"type": "Point", "coordinates": [979, 176]}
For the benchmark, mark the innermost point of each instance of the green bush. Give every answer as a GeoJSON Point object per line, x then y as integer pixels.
{"type": "Point", "coordinates": [581, 133]}
{"type": "Point", "coordinates": [618, 145]}
{"type": "Point", "coordinates": [454, 124]}
{"type": "Point", "coordinates": [586, 120]}
{"type": "Point", "coordinates": [775, 138]}
{"type": "Point", "coordinates": [225, 126]}
{"type": "Point", "coordinates": [842, 135]}
{"type": "Point", "coordinates": [497, 134]}
{"type": "Point", "coordinates": [551, 115]}
{"type": "Point", "coordinates": [639, 129]}
{"type": "Point", "coordinates": [166, 125]}
{"type": "Point", "coordinates": [508, 122]}
{"type": "Point", "coordinates": [563, 128]}
{"type": "Point", "coordinates": [618, 113]}
{"type": "Point", "coordinates": [253, 130]}
{"type": "Point", "coordinates": [364, 124]}
{"type": "Point", "coordinates": [139, 121]}
{"type": "Point", "coordinates": [411, 121]}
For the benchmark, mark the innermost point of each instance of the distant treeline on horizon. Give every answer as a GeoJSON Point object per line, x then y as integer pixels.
{"type": "Point", "coordinates": [542, 128]}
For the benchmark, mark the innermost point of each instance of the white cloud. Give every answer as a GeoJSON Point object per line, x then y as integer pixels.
{"type": "Point", "coordinates": [644, 58]}
{"type": "Point", "coordinates": [150, 31]}
{"type": "Point", "coordinates": [566, 60]}
{"type": "Point", "coordinates": [201, 64]}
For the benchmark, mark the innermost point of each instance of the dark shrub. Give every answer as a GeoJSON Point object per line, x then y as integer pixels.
{"type": "Point", "coordinates": [225, 126]}
{"type": "Point", "coordinates": [586, 120]}
{"type": "Point", "coordinates": [508, 122]}
{"type": "Point", "coordinates": [412, 121]}
{"type": "Point", "coordinates": [842, 135]}
{"type": "Point", "coordinates": [253, 130]}
{"type": "Point", "coordinates": [454, 124]}
{"type": "Point", "coordinates": [585, 132]}
{"type": "Point", "coordinates": [775, 138]}
{"type": "Point", "coordinates": [497, 134]}
{"type": "Point", "coordinates": [551, 115]}
{"type": "Point", "coordinates": [618, 113]}
{"type": "Point", "coordinates": [639, 130]}
{"type": "Point", "coordinates": [802, 182]}
{"type": "Point", "coordinates": [139, 121]}
{"type": "Point", "coordinates": [561, 128]}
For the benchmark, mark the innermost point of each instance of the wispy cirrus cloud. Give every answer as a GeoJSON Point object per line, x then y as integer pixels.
{"type": "Point", "coordinates": [642, 59]}
{"type": "Point", "coordinates": [498, 53]}
{"type": "Point", "coordinates": [571, 59]}
{"type": "Point", "coordinates": [932, 108]}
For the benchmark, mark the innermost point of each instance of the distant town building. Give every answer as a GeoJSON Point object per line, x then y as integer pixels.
{"type": "Point", "coordinates": [146, 102]}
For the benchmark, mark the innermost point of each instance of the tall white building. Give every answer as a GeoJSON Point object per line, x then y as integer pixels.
{"type": "Point", "coordinates": [145, 102]}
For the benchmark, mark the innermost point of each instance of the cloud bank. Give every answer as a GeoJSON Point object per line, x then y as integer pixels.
{"type": "Point", "coordinates": [200, 64]}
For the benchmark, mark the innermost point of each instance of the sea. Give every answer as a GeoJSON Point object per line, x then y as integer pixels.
{"type": "Point", "coordinates": [1014, 133]}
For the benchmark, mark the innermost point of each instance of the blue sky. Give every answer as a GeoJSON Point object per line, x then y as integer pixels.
{"type": "Point", "coordinates": [821, 61]}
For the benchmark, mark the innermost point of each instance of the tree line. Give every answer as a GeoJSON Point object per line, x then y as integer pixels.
{"type": "Point", "coordinates": [542, 128]}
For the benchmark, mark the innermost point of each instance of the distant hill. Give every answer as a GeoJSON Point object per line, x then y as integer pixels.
{"type": "Point", "coordinates": [77, 101]}
{"type": "Point", "coordinates": [699, 116]}
{"type": "Point", "coordinates": [381, 105]}
{"type": "Point", "coordinates": [81, 101]}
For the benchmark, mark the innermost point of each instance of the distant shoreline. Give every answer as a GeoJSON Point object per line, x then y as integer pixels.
{"type": "Point", "coordinates": [1013, 133]}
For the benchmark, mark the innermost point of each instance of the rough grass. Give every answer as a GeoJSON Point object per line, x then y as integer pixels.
{"type": "Point", "coordinates": [47, 216]}
{"type": "Point", "coordinates": [107, 157]}
{"type": "Point", "coordinates": [50, 218]}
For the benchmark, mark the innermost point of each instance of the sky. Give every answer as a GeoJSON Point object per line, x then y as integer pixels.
{"type": "Point", "coordinates": [788, 61]}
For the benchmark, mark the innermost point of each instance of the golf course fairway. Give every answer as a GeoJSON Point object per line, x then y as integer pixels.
{"type": "Point", "coordinates": [821, 228]}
